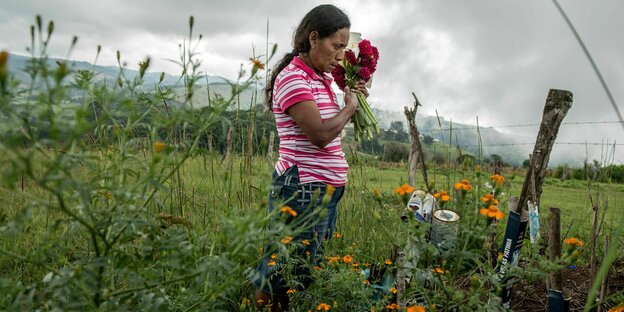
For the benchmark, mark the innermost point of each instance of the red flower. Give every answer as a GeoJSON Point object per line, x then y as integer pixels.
{"type": "Point", "coordinates": [364, 73]}
{"type": "Point", "coordinates": [366, 49]}
{"type": "Point", "coordinates": [339, 76]}
{"type": "Point", "coordinates": [350, 57]}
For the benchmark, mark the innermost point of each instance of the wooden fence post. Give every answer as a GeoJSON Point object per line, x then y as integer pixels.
{"type": "Point", "coordinates": [416, 152]}
{"type": "Point", "coordinates": [554, 245]}
{"type": "Point", "coordinates": [557, 105]}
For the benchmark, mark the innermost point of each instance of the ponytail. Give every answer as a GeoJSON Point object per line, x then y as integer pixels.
{"type": "Point", "coordinates": [268, 90]}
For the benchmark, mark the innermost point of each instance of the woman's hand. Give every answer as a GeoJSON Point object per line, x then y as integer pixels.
{"type": "Point", "coordinates": [360, 86]}
{"type": "Point", "coordinates": [351, 102]}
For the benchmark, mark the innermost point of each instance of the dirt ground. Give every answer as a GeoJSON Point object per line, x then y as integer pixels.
{"type": "Point", "coordinates": [534, 296]}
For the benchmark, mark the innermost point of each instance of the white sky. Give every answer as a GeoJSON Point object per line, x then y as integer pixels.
{"type": "Point", "coordinates": [494, 59]}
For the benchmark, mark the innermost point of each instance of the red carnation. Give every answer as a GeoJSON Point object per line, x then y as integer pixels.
{"type": "Point", "coordinates": [339, 76]}
{"type": "Point", "coordinates": [364, 73]}
{"type": "Point", "coordinates": [350, 57]}
{"type": "Point", "coordinates": [366, 49]}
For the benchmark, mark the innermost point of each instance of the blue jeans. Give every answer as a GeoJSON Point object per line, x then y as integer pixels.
{"type": "Point", "coordinates": [313, 224]}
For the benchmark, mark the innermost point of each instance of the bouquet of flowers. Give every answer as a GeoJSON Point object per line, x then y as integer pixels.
{"type": "Point", "coordinates": [347, 73]}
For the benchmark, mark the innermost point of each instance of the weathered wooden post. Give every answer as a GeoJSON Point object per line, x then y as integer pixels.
{"type": "Point", "coordinates": [416, 153]}
{"type": "Point", "coordinates": [557, 105]}
{"type": "Point", "coordinates": [556, 297]}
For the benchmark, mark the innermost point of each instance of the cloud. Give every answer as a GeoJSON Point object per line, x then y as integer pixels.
{"type": "Point", "coordinates": [491, 59]}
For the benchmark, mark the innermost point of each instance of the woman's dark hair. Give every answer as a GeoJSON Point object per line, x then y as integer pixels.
{"type": "Point", "coordinates": [325, 19]}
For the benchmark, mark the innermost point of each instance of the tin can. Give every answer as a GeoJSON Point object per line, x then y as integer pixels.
{"type": "Point", "coordinates": [444, 229]}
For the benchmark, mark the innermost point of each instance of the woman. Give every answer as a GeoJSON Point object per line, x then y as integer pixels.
{"type": "Point", "coordinates": [309, 121]}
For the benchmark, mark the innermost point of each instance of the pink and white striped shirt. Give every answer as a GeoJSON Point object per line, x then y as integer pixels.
{"type": "Point", "coordinates": [297, 83]}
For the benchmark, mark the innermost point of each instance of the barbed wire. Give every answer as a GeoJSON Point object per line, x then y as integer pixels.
{"type": "Point", "coordinates": [521, 125]}
{"type": "Point", "coordinates": [556, 143]}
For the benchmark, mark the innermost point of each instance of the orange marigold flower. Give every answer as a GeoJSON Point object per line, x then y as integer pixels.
{"type": "Point", "coordinates": [498, 179]}
{"type": "Point", "coordinates": [305, 242]}
{"type": "Point", "coordinates": [337, 235]}
{"type": "Point", "coordinates": [256, 63]}
{"type": "Point", "coordinates": [159, 146]}
{"type": "Point", "coordinates": [416, 309]}
{"type": "Point", "coordinates": [323, 307]}
{"type": "Point", "coordinates": [393, 306]}
{"type": "Point", "coordinates": [333, 260]}
{"type": "Point", "coordinates": [573, 241]}
{"type": "Point", "coordinates": [274, 256]}
{"type": "Point", "coordinates": [376, 192]}
{"type": "Point", "coordinates": [393, 290]}
{"type": "Point", "coordinates": [438, 270]}
{"type": "Point", "coordinates": [463, 185]}
{"type": "Point", "coordinates": [388, 262]}
{"type": "Point", "coordinates": [347, 259]}
{"type": "Point", "coordinates": [355, 264]}
{"type": "Point", "coordinates": [272, 263]}
{"type": "Point", "coordinates": [286, 239]}
{"type": "Point", "coordinates": [4, 56]}
{"type": "Point", "coordinates": [404, 189]}
{"type": "Point", "coordinates": [308, 253]}
{"type": "Point", "coordinates": [289, 211]}
{"type": "Point", "coordinates": [291, 291]}
{"type": "Point", "coordinates": [617, 309]}
{"type": "Point", "coordinates": [366, 282]}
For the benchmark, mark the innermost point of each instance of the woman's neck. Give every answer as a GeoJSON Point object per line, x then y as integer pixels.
{"type": "Point", "coordinates": [308, 61]}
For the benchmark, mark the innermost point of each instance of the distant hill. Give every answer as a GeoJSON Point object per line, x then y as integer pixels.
{"type": "Point", "coordinates": [465, 136]}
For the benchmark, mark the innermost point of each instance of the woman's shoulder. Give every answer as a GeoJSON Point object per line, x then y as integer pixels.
{"type": "Point", "coordinates": [292, 73]}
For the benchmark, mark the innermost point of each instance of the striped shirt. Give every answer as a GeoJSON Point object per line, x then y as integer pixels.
{"type": "Point", "coordinates": [295, 84]}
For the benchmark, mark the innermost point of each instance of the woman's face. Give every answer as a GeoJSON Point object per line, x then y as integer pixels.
{"type": "Point", "coordinates": [327, 52]}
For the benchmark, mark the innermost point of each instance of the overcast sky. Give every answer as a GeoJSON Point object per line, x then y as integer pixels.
{"type": "Point", "coordinates": [493, 59]}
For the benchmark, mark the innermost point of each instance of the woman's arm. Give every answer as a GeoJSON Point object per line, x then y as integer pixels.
{"type": "Point", "coordinates": [321, 132]}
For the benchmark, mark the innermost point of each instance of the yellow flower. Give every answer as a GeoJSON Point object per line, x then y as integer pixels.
{"type": "Point", "coordinates": [393, 306]}
{"type": "Point", "coordinates": [286, 240]}
{"type": "Point", "coordinates": [288, 210]}
{"type": "Point", "coordinates": [291, 291]}
{"type": "Point", "coordinates": [355, 264]}
{"type": "Point", "coordinates": [274, 256]}
{"type": "Point", "coordinates": [323, 307]}
{"type": "Point", "coordinates": [159, 146]}
{"type": "Point", "coordinates": [330, 190]}
{"type": "Point", "coordinates": [347, 259]}
{"type": "Point", "coordinates": [438, 270]}
{"type": "Point", "coordinates": [305, 242]}
{"type": "Point", "coordinates": [337, 235]}
{"type": "Point", "coordinates": [573, 241]}
{"type": "Point", "coordinates": [393, 290]}
{"type": "Point", "coordinates": [388, 262]}
{"type": "Point", "coordinates": [416, 309]}
{"type": "Point", "coordinates": [272, 263]}
{"type": "Point", "coordinates": [256, 63]}
{"type": "Point", "coordinates": [333, 259]}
